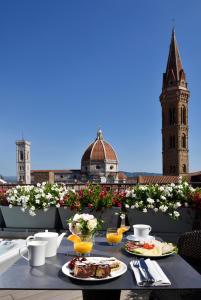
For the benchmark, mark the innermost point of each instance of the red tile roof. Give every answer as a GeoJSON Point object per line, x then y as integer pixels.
{"type": "Point", "coordinates": [157, 179]}
{"type": "Point", "coordinates": [99, 151]}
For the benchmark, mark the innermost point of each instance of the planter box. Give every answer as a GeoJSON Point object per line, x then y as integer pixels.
{"type": "Point", "coordinates": [2, 224]}
{"type": "Point", "coordinates": [15, 218]}
{"type": "Point", "coordinates": [65, 213]}
{"type": "Point", "coordinates": [161, 222]}
{"type": "Point", "coordinates": [107, 215]}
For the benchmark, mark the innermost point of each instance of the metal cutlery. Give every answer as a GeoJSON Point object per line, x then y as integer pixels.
{"type": "Point", "coordinates": [143, 278]}
{"type": "Point", "coordinates": [146, 270]}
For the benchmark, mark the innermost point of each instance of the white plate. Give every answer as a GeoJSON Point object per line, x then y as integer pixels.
{"type": "Point", "coordinates": [133, 238]}
{"type": "Point", "coordinates": [114, 274]}
{"type": "Point", "coordinates": [151, 256]}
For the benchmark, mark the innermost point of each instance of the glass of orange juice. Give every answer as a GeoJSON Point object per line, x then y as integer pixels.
{"type": "Point", "coordinates": [84, 246]}
{"type": "Point", "coordinates": [113, 236]}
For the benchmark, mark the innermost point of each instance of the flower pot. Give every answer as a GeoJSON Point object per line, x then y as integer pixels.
{"type": "Point", "coordinates": [161, 222]}
{"type": "Point", "coordinates": [65, 213]}
{"type": "Point", "coordinates": [14, 217]}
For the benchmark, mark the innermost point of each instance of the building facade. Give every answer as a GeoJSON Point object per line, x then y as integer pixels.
{"type": "Point", "coordinates": [99, 164]}
{"type": "Point", "coordinates": [174, 102]}
{"type": "Point", "coordinates": [23, 161]}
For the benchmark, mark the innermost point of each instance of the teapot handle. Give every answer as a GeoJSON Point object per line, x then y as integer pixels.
{"type": "Point", "coordinates": [31, 237]}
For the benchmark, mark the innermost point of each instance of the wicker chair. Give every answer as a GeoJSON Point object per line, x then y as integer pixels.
{"type": "Point", "coordinates": [189, 247]}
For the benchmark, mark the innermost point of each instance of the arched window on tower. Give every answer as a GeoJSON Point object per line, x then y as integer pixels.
{"type": "Point", "coordinates": [183, 141]}
{"type": "Point", "coordinates": [183, 115]}
{"type": "Point", "coordinates": [184, 168]}
{"type": "Point", "coordinates": [172, 141]}
{"type": "Point", "coordinates": [171, 116]}
{"type": "Point", "coordinates": [21, 155]}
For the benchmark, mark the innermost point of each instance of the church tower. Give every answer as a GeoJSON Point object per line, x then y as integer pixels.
{"type": "Point", "coordinates": [174, 102]}
{"type": "Point", "coordinates": [23, 162]}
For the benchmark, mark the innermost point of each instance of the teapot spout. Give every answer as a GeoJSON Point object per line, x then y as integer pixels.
{"type": "Point", "coordinates": [60, 237]}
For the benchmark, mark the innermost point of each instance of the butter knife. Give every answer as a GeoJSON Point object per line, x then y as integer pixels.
{"type": "Point", "coordinates": [146, 270]}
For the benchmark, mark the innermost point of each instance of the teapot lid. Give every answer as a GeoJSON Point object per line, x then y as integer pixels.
{"type": "Point", "coordinates": [46, 234]}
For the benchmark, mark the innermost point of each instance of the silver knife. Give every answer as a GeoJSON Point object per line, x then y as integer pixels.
{"type": "Point", "coordinates": [146, 270]}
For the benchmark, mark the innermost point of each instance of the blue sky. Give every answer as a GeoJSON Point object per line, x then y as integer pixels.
{"type": "Point", "coordinates": [70, 67]}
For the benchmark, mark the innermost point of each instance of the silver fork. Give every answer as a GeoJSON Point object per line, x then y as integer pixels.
{"type": "Point", "coordinates": [143, 279]}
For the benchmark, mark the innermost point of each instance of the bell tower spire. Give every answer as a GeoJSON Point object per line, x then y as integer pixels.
{"type": "Point", "coordinates": [174, 103]}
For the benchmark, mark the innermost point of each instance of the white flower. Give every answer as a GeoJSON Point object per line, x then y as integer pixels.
{"type": "Point", "coordinates": [58, 205]}
{"type": "Point", "coordinates": [122, 216]}
{"type": "Point", "coordinates": [23, 209]}
{"type": "Point", "coordinates": [32, 208]}
{"type": "Point", "coordinates": [150, 200]}
{"type": "Point", "coordinates": [91, 224]}
{"type": "Point", "coordinates": [163, 208]}
{"type": "Point", "coordinates": [10, 205]}
{"type": "Point", "coordinates": [144, 210]}
{"type": "Point", "coordinates": [176, 214]}
{"type": "Point", "coordinates": [76, 217]}
{"type": "Point", "coordinates": [127, 206]}
{"type": "Point", "coordinates": [161, 188]}
{"type": "Point", "coordinates": [155, 209]}
{"type": "Point", "coordinates": [163, 197]}
{"type": "Point", "coordinates": [87, 217]}
{"type": "Point", "coordinates": [38, 185]}
{"type": "Point", "coordinates": [132, 206]}
{"type": "Point", "coordinates": [48, 196]}
{"type": "Point", "coordinates": [37, 201]}
{"type": "Point", "coordinates": [32, 213]}
{"type": "Point", "coordinates": [133, 195]}
{"type": "Point", "coordinates": [186, 204]}
{"type": "Point", "coordinates": [136, 205]}
{"type": "Point", "coordinates": [128, 193]}
{"type": "Point", "coordinates": [177, 204]}
{"type": "Point", "coordinates": [172, 185]}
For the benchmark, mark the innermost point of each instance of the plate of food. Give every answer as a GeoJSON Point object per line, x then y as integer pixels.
{"type": "Point", "coordinates": [94, 268]}
{"type": "Point", "coordinates": [154, 249]}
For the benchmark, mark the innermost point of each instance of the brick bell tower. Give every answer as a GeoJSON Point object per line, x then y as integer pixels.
{"type": "Point", "coordinates": [174, 102]}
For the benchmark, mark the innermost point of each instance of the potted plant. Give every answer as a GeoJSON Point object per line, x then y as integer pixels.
{"type": "Point", "coordinates": [104, 204]}
{"type": "Point", "coordinates": [167, 208]}
{"type": "Point", "coordinates": [32, 206]}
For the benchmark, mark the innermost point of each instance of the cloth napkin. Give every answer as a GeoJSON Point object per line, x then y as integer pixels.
{"type": "Point", "coordinates": [160, 279]}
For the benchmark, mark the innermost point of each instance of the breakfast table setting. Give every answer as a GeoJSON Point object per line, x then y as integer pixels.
{"type": "Point", "coordinates": [101, 264]}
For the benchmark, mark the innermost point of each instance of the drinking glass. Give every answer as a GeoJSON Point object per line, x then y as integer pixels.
{"type": "Point", "coordinates": [113, 237]}
{"type": "Point", "coordinates": [84, 246]}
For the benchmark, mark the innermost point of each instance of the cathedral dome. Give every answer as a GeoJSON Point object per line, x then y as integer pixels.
{"type": "Point", "coordinates": [99, 150]}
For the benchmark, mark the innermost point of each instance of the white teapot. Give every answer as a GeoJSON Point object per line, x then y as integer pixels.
{"type": "Point", "coordinates": [53, 239]}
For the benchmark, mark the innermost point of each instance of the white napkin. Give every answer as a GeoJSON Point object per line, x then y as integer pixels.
{"type": "Point", "coordinates": [11, 249]}
{"type": "Point", "coordinates": [160, 279]}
